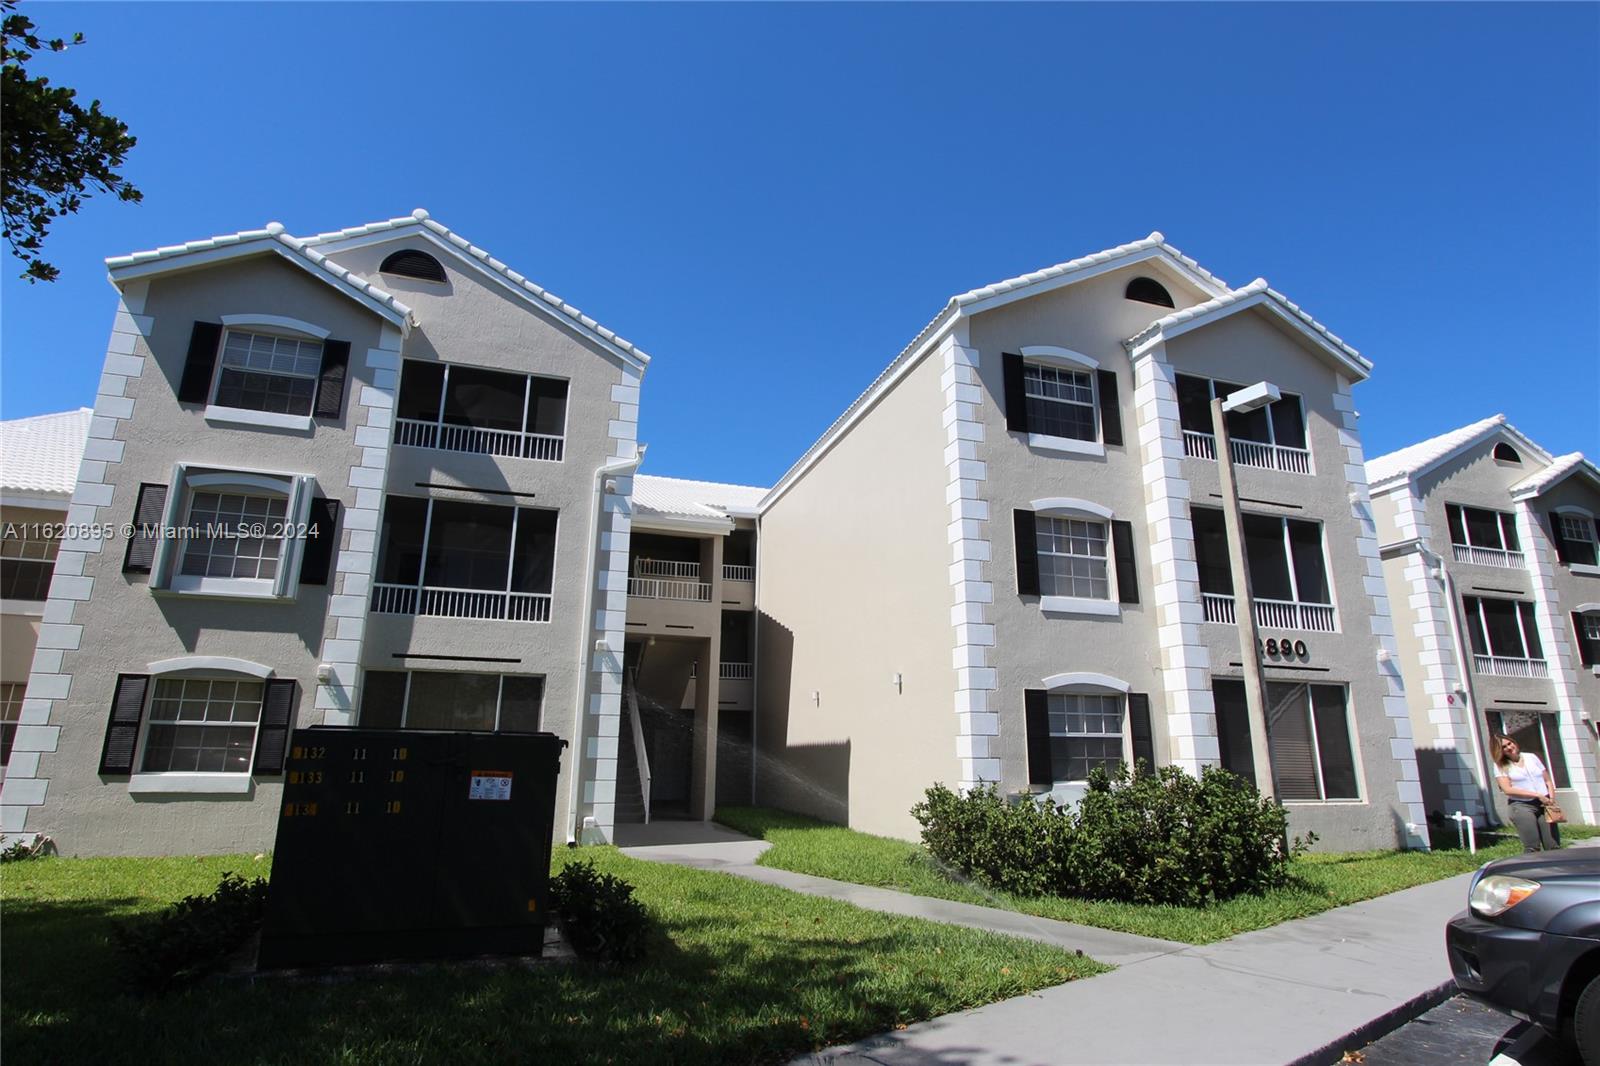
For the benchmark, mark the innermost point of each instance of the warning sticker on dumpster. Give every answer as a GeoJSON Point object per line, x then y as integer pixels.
{"type": "Point", "coordinates": [490, 785]}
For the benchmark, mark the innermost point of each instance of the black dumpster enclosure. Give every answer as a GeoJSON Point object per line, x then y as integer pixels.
{"type": "Point", "coordinates": [411, 844]}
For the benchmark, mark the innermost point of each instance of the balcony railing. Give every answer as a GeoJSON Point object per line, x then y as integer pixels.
{"type": "Point", "coordinates": [1273, 614]}
{"type": "Point", "coordinates": [438, 602]}
{"type": "Point", "coordinates": [1467, 553]}
{"type": "Point", "coordinates": [654, 588]}
{"type": "Point", "coordinates": [665, 568]}
{"type": "Point", "coordinates": [730, 572]}
{"type": "Point", "coordinates": [1506, 666]}
{"type": "Point", "coordinates": [1249, 453]}
{"type": "Point", "coordinates": [507, 443]}
{"type": "Point", "coordinates": [736, 672]}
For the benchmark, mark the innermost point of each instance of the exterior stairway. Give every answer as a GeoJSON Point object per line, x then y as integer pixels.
{"type": "Point", "coordinates": [630, 797]}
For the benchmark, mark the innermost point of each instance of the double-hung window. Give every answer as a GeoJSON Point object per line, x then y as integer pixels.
{"type": "Point", "coordinates": [1075, 557]}
{"type": "Point", "coordinates": [423, 699]}
{"type": "Point", "coordinates": [268, 372]}
{"type": "Point", "coordinates": [1061, 399]}
{"type": "Point", "coordinates": [1308, 739]}
{"type": "Point", "coordinates": [1085, 733]}
{"type": "Point", "coordinates": [1072, 558]}
{"type": "Point", "coordinates": [232, 533]}
{"type": "Point", "coordinates": [1504, 636]}
{"type": "Point", "coordinates": [202, 725]}
{"type": "Point", "coordinates": [1573, 534]}
{"type": "Point", "coordinates": [27, 560]}
{"type": "Point", "coordinates": [1485, 537]}
{"type": "Point", "coordinates": [1586, 628]}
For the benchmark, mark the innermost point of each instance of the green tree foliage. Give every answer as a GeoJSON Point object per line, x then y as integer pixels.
{"type": "Point", "coordinates": [53, 151]}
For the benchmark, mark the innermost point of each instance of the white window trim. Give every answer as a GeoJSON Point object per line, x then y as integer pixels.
{"type": "Point", "coordinates": [1069, 506]}
{"type": "Point", "coordinates": [190, 782]}
{"type": "Point", "coordinates": [297, 490]}
{"type": "Point", "coordinates": [279, 323]}
{"type": "Point", "coordinates": [1590, 569]}
{"type": "Point", "coordinates": [24, 608]}
{"type": "Point", "coordinates": [1065, 445]}
{"type": "Point", "coordinates": [274, 325]}
{"type": "Point", "coordinates": [1058, 356]}
{"type": "Point", "coordinates": [1086, 681]}
{"type": "Point", "coordinates": [1072, 507]}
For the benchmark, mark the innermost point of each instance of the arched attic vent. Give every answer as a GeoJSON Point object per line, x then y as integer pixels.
{"type": "Point", "coordinates": [410, 263]}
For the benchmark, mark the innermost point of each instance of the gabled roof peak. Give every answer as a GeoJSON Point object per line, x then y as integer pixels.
{"type": "Point", "coordinates": [1414, 460]}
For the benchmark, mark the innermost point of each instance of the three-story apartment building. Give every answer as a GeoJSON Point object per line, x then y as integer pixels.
{"type": "Point", "coordinates": [1489, 549]}
{"type": "Point", "coordinates": [1005, 562]}
{"type": "Point", "coordinates": [369, 476]}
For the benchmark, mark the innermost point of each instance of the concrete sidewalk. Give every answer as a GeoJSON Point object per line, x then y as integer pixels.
{"type": "Point", "coordinates": [1290, 994]}
{"type": "Point", "coordinates": [711, 847]}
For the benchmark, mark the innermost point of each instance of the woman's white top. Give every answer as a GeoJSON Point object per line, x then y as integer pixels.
{"type": "Point", "coordinates": [1526, 773]}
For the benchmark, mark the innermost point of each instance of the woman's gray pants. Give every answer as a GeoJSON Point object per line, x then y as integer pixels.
{"type": "Point", "coordinates": [1536, 833]}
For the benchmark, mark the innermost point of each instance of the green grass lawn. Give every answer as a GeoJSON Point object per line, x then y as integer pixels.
{"type": "Point", "coordinates": [743, 973]}
{"type": "Point", "coordinates": [1321, 881]}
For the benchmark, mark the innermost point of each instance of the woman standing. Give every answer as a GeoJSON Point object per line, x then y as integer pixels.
{"type": "Point", "coordinates": [1527, 785]}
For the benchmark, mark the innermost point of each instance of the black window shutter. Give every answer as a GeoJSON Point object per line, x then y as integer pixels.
{"type": "Point", "coordinates": [1110, 412]}
{"type": "Point", "coordinates": [330, 382]}
{"type": "Point", "coordinates": [1127, 573]}
{"type": "Point", "coordinates": [122, 730]}
{"type": "Point", "coordinates": [1556, 538]}
{"type": "Point", "coordinates": [204, 341]}
{"type": "Point", "coordinates": [277, 720]}
{"type": "Point", "coordinates": [1037, 703]}
{"type": "Point", "coordinates": [1458, 527]}
{"type": "Point", "coordinates": [322, 537]}
{"type": "Point", "coordinates": [1144, 744]}
{"type": "Point", "coordinates": [1588, 653]}
{"type": "Point", "coordinates": [1016, 398]}
{"type": "Point", "coordinates": [148, 510]}
{"type": "Point", "coordinates": [1027, 553]}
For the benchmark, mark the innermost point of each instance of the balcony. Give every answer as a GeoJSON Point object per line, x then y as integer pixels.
{"type": "Point", "coordinates": [1273, 614]}
{"type": "Point", "coordinates": [1467, 553]}
{"type": "Point", "coordinates": [1249, 453]}
{"type": "Point", "coordinates": [505, 443]}
{"type": "Point", "coordinates": [660, 588]}
{"type": "Point", "coordinates": [456, 408]}
{"type": "Point", "coordinates": [730, 572]}
{"type": "Point", "coordinates": [736, 671]}
{"type": "Point", "coordinates": [1506, 666]}
{"type": "Point", "coordinates": [436, 602]}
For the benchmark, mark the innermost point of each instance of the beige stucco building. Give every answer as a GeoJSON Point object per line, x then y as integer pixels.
{"type": "Point", "coordinates": [1489, 550]}
{"type": "Point", "coordinates": [1005, 562]}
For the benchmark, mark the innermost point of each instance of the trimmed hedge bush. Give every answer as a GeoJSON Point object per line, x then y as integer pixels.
{"type": "Point", "coordinates": [1161, 837]}
{"type": "Point", "coordinates": [192, 937]}
{"type": "Point", "coordinates": [598, 913]}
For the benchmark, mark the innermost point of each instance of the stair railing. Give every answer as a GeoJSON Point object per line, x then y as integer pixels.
{"type": "Point", "coordinates": [641, 758]}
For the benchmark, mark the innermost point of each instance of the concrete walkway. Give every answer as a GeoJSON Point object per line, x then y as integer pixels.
{"type": "Point", "coordinates": [1290, 994]}
{"type": "Point", "coordinates": [708, 846]}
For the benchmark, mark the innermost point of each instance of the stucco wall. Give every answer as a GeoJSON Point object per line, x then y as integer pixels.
{"type": "Point", "coordinates": [853, 589]}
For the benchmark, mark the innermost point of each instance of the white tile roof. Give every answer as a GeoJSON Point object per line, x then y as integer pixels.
{"type": "Point", "coordinates": [1415, 458]}
{"type": "Point", "coordinates": [272, 234]}
{"type": "Point", "coordinates": [40, 455]}
{"type": "Point", "coordinates": [421, 218]}
{"type": "Point", "coordinates": [1255, 288]}
{"type": "Point", "coordinates": [1559, 468]}
{"type": "Point", "coordinates": [676, 498]}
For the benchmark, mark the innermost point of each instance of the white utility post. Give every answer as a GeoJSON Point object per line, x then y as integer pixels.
{"type": "Point", "coordinates": [1256, 396]}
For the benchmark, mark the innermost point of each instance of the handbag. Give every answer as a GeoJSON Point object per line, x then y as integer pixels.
{"type": "Point", "coordinates": [1553, 814]}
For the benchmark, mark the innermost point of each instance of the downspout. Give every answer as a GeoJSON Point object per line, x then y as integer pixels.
{"type": "Point", "coordinates": [1435, 563]}
{"type": "Point", "coordinates": [755, 663]}
{"type": "Point", "coordinates": [586, 630]}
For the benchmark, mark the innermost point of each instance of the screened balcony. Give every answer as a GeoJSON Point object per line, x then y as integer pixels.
{"type": "Point", "coordinates": [669, 568]}
{"type": "Point", "coordinates": [487, 412]}
{"type": "Point", "coordinates": [1504, 635]}
{"type": "Point", "coordinates": [1288, 572]}
{"type": "Point", "coordinates": [1271, 437]}
{"type": "Point", "coordinates": [451, 559]}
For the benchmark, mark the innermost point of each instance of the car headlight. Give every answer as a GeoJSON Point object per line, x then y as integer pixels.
{"type": "Point", "coordinates": [1498, 893]}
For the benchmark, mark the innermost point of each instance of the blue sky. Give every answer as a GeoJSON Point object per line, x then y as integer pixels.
{"type": "Point", "coordinates": [772, 200]}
